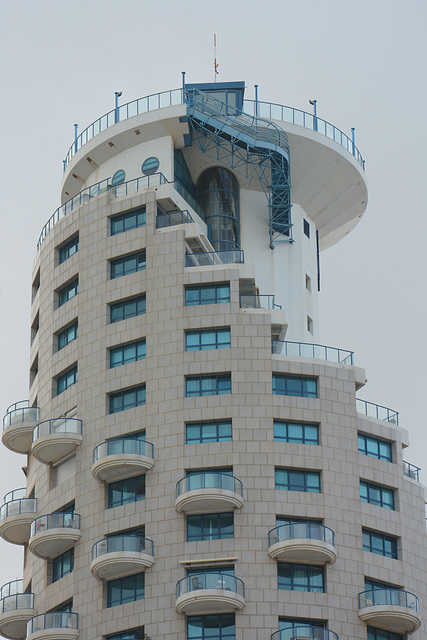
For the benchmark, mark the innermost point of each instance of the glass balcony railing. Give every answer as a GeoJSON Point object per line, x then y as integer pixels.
{"type": "Point", "coordinates": [138, 184]}
{"type": "Point", "coordinates": [377, 411]}
{"type": "Point", "coordinates": [411, 471]}
{"type": "Point", "coordinates": [173, 218]}
{"type": "Point", "coordinates": [301, 530]}
{"type": "Point", "coordinates": [16, 507]}
{"type": "Point", "coordinates": [53, 620]}
{"type": "Point", "coordinates": [304, 633]}
{"type": "Point", "coordinates": [17, 600]}
{"type": "Point", "coordinates": [16, 494]}
{"type": "Point", "coordinates": [234, 256]}
{"type": "Point", "coordinates": [55, 521]}
{"type": "Point", "coordinates": [384, 597]}
{"type": "Point", "coordinates": [209, 480]}
{"type": "Point", "coordinates": [254, 301]}
{"type": "Point", "coordinates": [20, 412]}
{"type": "Point", "coordinates": [59, 425]}
{"type": "Point", "coordinates": [308, 350]}
{"type": "Point", "coordinates": [115, 544]}
{"type": "Point", "coordinates": [199, 581]}
{"type": "Point", "coordinates": [11, 589]}
{"type": "Point", "coordinates": [123, 446]}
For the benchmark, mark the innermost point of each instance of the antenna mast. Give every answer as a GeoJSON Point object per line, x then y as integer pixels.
{"type": "Point", "coordinates": [215, 62]}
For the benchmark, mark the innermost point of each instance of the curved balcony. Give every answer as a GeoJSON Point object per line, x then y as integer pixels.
{"type": "Point", "coordinates": [16, 608]}
{"type": "Point", "coordinates": [391, 609]}
{"type": "Point", "coordinates": [56, 625]}
{"type": "Point", "coordinates": [16, 516]}
{"type": "Point", "coordinates": [121, 556]}
{"type": "Point", "coordinates": [122, 458]}
{"type": "Point", "coordinates": [302, 542]}
{"type": "Point", "coordinates": [53, 534]}
{"type": "Point", "coordinates": [208, 491]}
{"type": "Point", "coordinates": [205, 593]}
{"type": "Point", "coordinates": [54, 439]}
{"type": "Point", "coordinates": [305, 633]}
{"type": "Point", "coordinates": [18, 426]}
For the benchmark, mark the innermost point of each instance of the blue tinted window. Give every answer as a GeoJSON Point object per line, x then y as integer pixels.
{"type": "Point", "coordinates": [135, 634]}
{"type": "Point", "coordinates": [126, 399]}
{"type": "Point", "coordinates": [297, 623]}
{"type": "Point", "coordinates": [126, 491]}
{"type": "Point", "coordinates": [150, 166]}
{"type": "Point", "coordinates": [67, 335]}
{"type": "Point", "coordinates": [376, 494]}
{"type": "Point", "coordinates": [211, 526]}
{"type": "Point", "coordinates": [374, 447]}
{"type": "Point", "coordinates": [207, 294]}
{"type": "Point", "coordinates": [128, 589]}
{"type": "Point", "coordinates": [382, 634]}
{"type": "Point", "coordinates": [118, 177]}
{"type": "Point", "coordinates": [127, 353]}
{"type": "Point", "coordinates": [211, 627]}
{"type": "Point", "coordinates": [127, 309]}
{"type": "Point", "coordinates": [205, 339]}
{"type": "Point", "coordinates": [68, 249]}
{"type": "Point", "coordinates": [302, 387]}
{"type": "Point", "coordinates": [129, 220]}
{"type": "Point", "coordinates": [301, 577]}
{"type": "Point", "coordinates": [66, 380]}
{"type": "Point", "coordinates": [379, 543]}
{"type": "Point", "coordinates": [298, 480]}
{"type": "Point", "coordinates": [297, 432]}
{"type": "Point", "coordinates": [208, 431]}
{"type": "Point", "coordinates": [69, 291]}
{"type": "Point", "coordinates": [62, 565]}
{"type": "Point", "coordinates": [127, 264]}
{"type": "Point", "coordinates": [207, 385]}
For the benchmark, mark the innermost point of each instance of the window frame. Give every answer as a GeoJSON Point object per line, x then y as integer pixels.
{"type": "Point", "coordinates": [292, 485]}
{"type": "Point", "coordinates": [369, 439]}
{"type": "Point", "coordinates": [310, 570]}
{"type": "Point", "coordinates": [214, 425]}
{"type": "Point", "coordinates": [371, 486]}
{"type": "Point", "coordinates": [138, 352]}
{"type": "Point", "coordinates": [136, 494]}
{"type": "Point", "coordinates": [215, 390]}
{"type": "Point", "coordinates": [140, 215]}
{"type": "Point", "coordinates": [68, 378]}
{"type": "Point", "coordinates": [200, 336]}
{"type": "Point", "coordinates": [288, 380]}
{"type": "Point", "coordinates": [124, 584]}
{"type": "Point", "coordinates": [123, 393]}
{"type": "Point", "coordinates": [222, 617]}
{"type": "Point", "coordinates": [59, 560]}
{"type": "Point", "coordinates": [384, 539]}
{"type": "Point", "coordinates": [140, 259]}
{"type": "Point", "coordinates": [216, 533]}
{"type": "Point", "coordinates": [65, 291]}
{"type": "Point", "coordinates": [385, 634]}
{"type": "Point", "coordinates": [65, 332]}
{"type": "Point", "coordinates": [64, 249]}
{"type": "Point", "coordinates": [139, 300]}
{"type": "Point", "coordinates": [216, 299]}
{"type": "Point", "coordinates": [289, 439]}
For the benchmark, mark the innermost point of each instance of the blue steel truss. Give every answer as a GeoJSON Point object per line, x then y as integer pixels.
{"type": "Point", "coordinates": [255, 148]}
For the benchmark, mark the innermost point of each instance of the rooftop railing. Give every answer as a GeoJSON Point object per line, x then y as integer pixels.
{"type": "Point", "coordinates": [301, 530]}
{"type": "Point", "coordinates": [16, 507]}
{"type": "Point", "coordinates": [11, 588]}
{"type": "Point", "coordinates": [115, 544]}
{"type": "Point", "coordinates": [388, 596]}
{"type": "Point", "coordinates": [304, 633]}
{"type": "Point", "coordinates": [256, 301]}
{"type": "Point", "coordinates": [123, 446]}
{"type": "Point", "coordinates": [59, 425]}
{"type": "Point", "coordinates": [173, 218]}
{"type": "Point", "coordinates": [209, 480]}
{"type": "Point", "coordinates": [53, 620]}
{"type": "Point", "coordinates": [17, 601]}
{"type": "Point", "coordinates": [199, 581]}
{"type": "Point", "coordinates": [308, 350]}
{"type": "Point", "coordinates": [208, 259]}
{"type": "Point", "coordinates": [377, 411]}
{"type": "Point", "coordinates": [411, 471]}
{"type": "Point", "coordinates": [55, 521]}
{"type": "Point", "coordinates": [20, 412]}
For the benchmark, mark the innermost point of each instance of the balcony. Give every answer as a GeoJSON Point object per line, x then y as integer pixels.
{"type": "Point", "coordinates": [56, 625]}
{"type": "Point", "coordinates": [309, 350]}
{"type": "Point", "coordinates": [377, 411]}
{"type": "Point", "coordinates": [54, 439]}
{"type": "Point", "coordinates": [256, 301]}
{"type": "Point", "coordinates": [16, 516]}
{"type": "Point", "coordinates": [302, 542]}
{"type": "Point", "coordinates": [214, 258]}
{"type": "Point", "coordinates": [208, 491]}
{"type": "Point", "coordinates": [121, 458]}
{"type": "Point", "coordinates": [411, 471]}
{"type": "Point", "coordinates": [120, 556]}
{"type": "Point", "coordinates": [390, 609]}
{"type": "Point", "coordinates": [205, 593]}
{"type": "Point", "coordinates": [18, 426]}
{"type": "Point", "coordinates": [304, 633]}
{"type": "Point", "coordinates": [16, 608]}
{"type": "Point", "coordinates": [53, 534]}
{"type": "Point", "coordinates": [173, 218]}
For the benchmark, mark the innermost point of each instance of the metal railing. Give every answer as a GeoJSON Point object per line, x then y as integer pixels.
{"type": "Point", "coordinates": [411, 471]}
{"type": "Point", "coordinates": [377, 411]}
{"type": "Point", "coordinates": [16, 494]}
{"type": "Point", "coordinates": [208, 259]}
{"type": "Point", "coordinates": [309, 350]}
{"type": "Point", "coordinates": [256, 301]}
{"type": "Point", "coordinates": [301, 530]}
{"type": "Point", "coordinates": [138, 184]}
{"type": "Point", "coordinates": [209, 480]}
{"type": "Point", "coordinates": [58, 425]}
{"type": "Point", "coordinates": [53, 620]}
{"type": "Point", "coordinates": [11, 588]}
{"type": "Point", "coordinates": [114, 544]}
{"type": "Point", "coordinates": [17, 601]}
{"type": "Point", "coordinates": [304, 633]}
{"type": "Point", "coordinates": [20, 412]}
{"type": "Point", "coordinates": [173, 218]}
{"type": "Point", "coordinates": [199, 581]}
{"type": "Point", "coordinates": [15, 507]}
{"type": "Point", "coordinates": [55, 521]}
{"type": "Point", "coordinates": [123, 446]}
{"type": "Point", "coordinates": [393, 597]}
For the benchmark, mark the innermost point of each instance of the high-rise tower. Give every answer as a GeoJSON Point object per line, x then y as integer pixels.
{"type": "Point", "coordinates": [199, 467]}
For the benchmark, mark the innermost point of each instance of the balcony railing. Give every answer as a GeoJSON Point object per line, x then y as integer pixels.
{"type": "Point", "coordinates": [304, 633]}
{"type": "Point", "coordinates": [173, 218]}
{"type": "Point", "coordinates": [234, 256]}
{"type": "Point", "coordinates": [55, 521]}
{"type": "Point", "coordinates": [377, 411]}
{"type": "Point", "coordinates": [249, 301]}
{"type": "Point", "coordinates": [209, 480]}
{"type": "Point", "coordinates": [20, 412]}
{"type": "Point", "coordinates": [122, 446]}
{"type": "Point", "coordinates": [16, 507]}
{"type": "Point", "coordinates": [411, 471]}
{"type": "Point", "coordinates": [138, 184]}
{"type": "Point", "coordinates": [53, 620]}
{"type": "Point", "coordinates": [11, 588]}
{"type": "Point", "coordinates": [59, 425]}
{"type": "Point", "coordinates": [393, 597]}
{"type": "Point", "coordinates": [115, 544]}
{"type": "Point", "coordinates": [301, 530]}
{"type": "Point", "coordinates": [199, 581]}
{"type": "Point", "coordinates": [16, 494]}
{"type": "Point", "coordinates": [16, 601]}
{"type": "Point", "coordinates": [309, 350]}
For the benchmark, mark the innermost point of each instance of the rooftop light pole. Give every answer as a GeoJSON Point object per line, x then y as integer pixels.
{"type": "Point", "coordinates": [76, 126]}
{"type": "Point", "coordinates": [353, 139]}
{"type": "Point", "coordinates": [256, 100]}
{"type": "Point", "coordinates": [116, 111]}
{"type": "Point", "coordinates": [314, 103]}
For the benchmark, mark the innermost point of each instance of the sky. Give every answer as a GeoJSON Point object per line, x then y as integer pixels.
{"type": "Point", "coordinates": [364, 63]}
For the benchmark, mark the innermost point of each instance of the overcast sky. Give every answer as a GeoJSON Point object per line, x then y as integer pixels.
{"type": "Point", "coordinates": [362, 60]}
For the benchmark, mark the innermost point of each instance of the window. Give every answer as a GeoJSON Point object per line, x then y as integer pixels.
{"type": "Point", "coordinates": [68, 249]}
{"type": "Point", "coordinates": [208, 431]}
{"type": "Point", "coordinates": [127, 309]}
{"type": "Point", "coordinates": [301, 577]}
{"type": "Point", "coordinates": [376, 494]}
{"type": "Point", "coordinates": [291, 520]}
{"type": "Point", "coordinates": [298, 480]}
{"type": "Point", "coordinates": [207, 294]}
{"type": "Point", "coordinates": [294, 386]}
{"type": "Point", "coordinates": [132, 634]}
{"type": "Point", "coordinates": [69, 291]}
{"type": "Point", "coordinates": [127, 264]}
{"type": "Point", "coordinates": [374, 447]}
{"type": "Point", "coordinates": [128, 589]}
{"type": "Point", "coordinates": [309, 324]}
{"type": "Point", "coordinates": [297, 623]}
{"type": "Point", "coordinates": [306, 228]}
{"type": "Point", "coordinates": [66, 380]}
{"type": "Point", "coordinates": [210, 526]}
{"type": "Point", "coordinates": [382, 634]}
{"type": "Point", "coordinates": [208, 385]}
{"type": "Point", "coordinates": [150, 166]}
{"type": "Point", "coordinates": [118, 177]}
{"type": "Point", "coordinates": [205, 339]}
{"type": "Point", "coordinates": [126, 399]}
{"type": "Point", "coordinates": [130, 352]}
{"type": "Point", "coordinates": [379, 543]}
{"type": "Point", "coordinates": [298, 432]}
{"type": "Point", "coordinates": [211, 627]}
{"type": "Point", "coordinates": [65, 607]}
{"type": "Point", "coordinates": [62, 565]}
{"type": "Point", "coordinates": [67, 335]}
{"type": "Point", "coordinates": [126, 221]}
{"type": "Point", "coordinates": [372, 585]}
{"type": "Point", "coordinates": [307, 282]}
{"type": "Point", "coordinates": [126, 491]}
